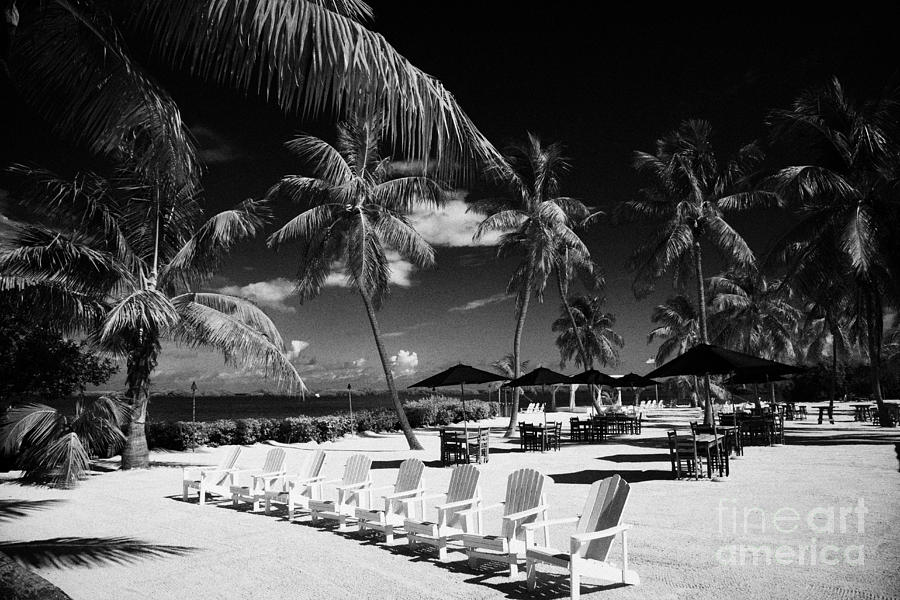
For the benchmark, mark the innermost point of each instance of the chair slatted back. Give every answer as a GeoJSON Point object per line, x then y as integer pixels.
{"type": "Point", "coordinates": [524, 490]}
{"type": "Point", "coordinates": [463, 486]}
{"type": "Point", "coordinates": [274, 461]}
{"type": "Point", "coordinates": [409, 477]}
{"type": "Point", "coordinates": [357, 469]}
{"type": "Point", "coordinates": [231, 459]}
{"type": "Point", "coordinates": [314, 466]}
{"type": "Point", "coordinates": [603, 509]}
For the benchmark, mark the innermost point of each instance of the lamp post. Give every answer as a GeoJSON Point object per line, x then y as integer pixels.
{"type": "Point", "coordinates": [193, 402]}
{"type": "Point", "coordinates": [350, 400]}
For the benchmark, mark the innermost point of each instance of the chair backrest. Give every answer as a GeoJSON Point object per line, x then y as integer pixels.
{"type": "Point", "coordinates": [602, 510]}
{"type": "Point", "coordinates": [357, 469]}
{"type": "Point", "coordinates": [314, 466]}
{"type": "Point", "coordinates": [524, 490]}
{"type": "Point", "coordinates": [463, 483]}
{"type": "Point", "coordinates": [409, 477]}
{"type": "Point", "coordinates": [231, 458]}
{"type": "Point", "coordinates": [274, 460]}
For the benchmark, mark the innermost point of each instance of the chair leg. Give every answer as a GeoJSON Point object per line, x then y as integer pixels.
{"type": "Point", "coordinates": [575, 582]}
{"type": "Point", "coordinates": [531, 572]}
{"type": "Point", "coordinates": [513, 568]}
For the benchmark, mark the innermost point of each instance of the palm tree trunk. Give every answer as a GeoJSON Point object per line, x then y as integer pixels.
{"type": "Point", "coordinates": [517, 363]}
{"type": "Point", "coordinates": [834, 363]}
{"type": "Point", "coordinates": [141, 362]}
{"type": "Point", "coordinates": [874, 322]}
{"type": "Point", "coordinates": [389, 378]}
{"type": "Point", "coordinates": [704, 337]}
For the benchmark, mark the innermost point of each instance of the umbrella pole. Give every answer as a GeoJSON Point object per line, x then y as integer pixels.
{"type": "Point", "coordinates": [462, 393]}
{"type": "Point", "coordinates": [714, 428]}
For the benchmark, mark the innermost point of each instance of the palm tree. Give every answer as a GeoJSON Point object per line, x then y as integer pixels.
{"type": "Point", "coordinates": [752, 314]}
{"type": "Point", "coordinates": [72, 63]}
{"type": "Point", "coordinates": [688, 192]}
{"type": "Point", "coordinates": [505, 366]}
{"type": "Point", "coordinates": [592, 338]}
{"type": "Point", "coordinates": [115, 260]}
{"type": "Point", "coordinates": [357, 212]}
{"type": "Point", "coordinates": [678, 326]}
{"type": "Point", "coordinates": [846, 196]}
{"type": "Point", "coordinates": [54, 449]}
{"type": "Point", "coordinates": [537, 223]}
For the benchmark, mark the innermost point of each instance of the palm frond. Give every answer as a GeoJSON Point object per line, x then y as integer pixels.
{"type": "Point", "coordinates": [244, 311]}
{"type": "Point", "coordinates": [322, 159]}
{"type": "Point", "coordinates": [147, 312]}
{"type": "Point", "coordinates": [398, 234]}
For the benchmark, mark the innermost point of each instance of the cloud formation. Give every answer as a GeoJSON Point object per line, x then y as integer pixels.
{"type": "Point", "coordinates": [297, 346]}
{"type": "Point", "coordinates": [213, 148]}
{"type": "Point", "coordinates": [404, 363]}
{"type": "Point", "coordinates": [479, 302]}
{"type": "Point", "coordinates": [268, 294]}
{"type": "Point", "coordinates": [450, 225]}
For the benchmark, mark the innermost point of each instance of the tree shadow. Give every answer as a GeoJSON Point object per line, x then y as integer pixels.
{"type": "Point", "coordinates": [849, 439]}
{"type": "Point", "coordinates": [635, 458]}
{"type": "Point", "coordinates": [592, 475]}
{"type": "Point", "coordinates": [16, 509]}
{"type": "Point", "coordinates": [66, 552]}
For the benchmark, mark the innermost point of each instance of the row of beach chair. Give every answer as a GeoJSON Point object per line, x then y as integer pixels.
{"type": "Point", "coordinates": [458, 521]}
{"type": "Point", "coordinates": [533, 407]}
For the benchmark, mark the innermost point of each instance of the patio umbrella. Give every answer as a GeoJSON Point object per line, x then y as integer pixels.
{"type": "Point", "coordinates": [541, 376]}
{"type": "Point", "coordinates": [460, 375]}
{"type": "Point", "coordinates": [769, 374]}
{"type": "Point", "coordinates": [632, 380]}
{"type": "Point", "coordinates": [592, 377]}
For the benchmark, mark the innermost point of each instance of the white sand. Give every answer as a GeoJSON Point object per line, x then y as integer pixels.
{"type": "Point", "coordinates": [681, 528]}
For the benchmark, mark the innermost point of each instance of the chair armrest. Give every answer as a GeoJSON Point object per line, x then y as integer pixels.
{"type": "Point", "coordinates": [354, 486]}
{"type": "Point", "coordinates": [271, 475]}
{"type": "Point", "coordinates": [426, 497]}
{"type": "Point", "coordinates": [525, 513]}
{"type": "Point", "coordinates": [457, 504]}
{"type": "Point", "coordinates": [580, 538]}
{"type": "Point", "coordinates": [549, 522]}
{"type": "Point", "coordinates": [481, 509]}
{"type": "Point", "coordinates": [295, 480]}
{"type": "Point", "coordinates": [209, 472]}
{"type": "Point", "coordinates": [400, 495]}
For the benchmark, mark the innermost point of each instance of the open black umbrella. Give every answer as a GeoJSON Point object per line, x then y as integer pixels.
{"type": "Point", "coordinates": [460, 375]}
{"type": "Point", "coordinates": [541, 376]}
{"type": "Point", "coordinates": [706, 359]}
{"type": "Point", "coordinates": [632, 380]}
{"type": "Point", "coordinates": [593, 377]}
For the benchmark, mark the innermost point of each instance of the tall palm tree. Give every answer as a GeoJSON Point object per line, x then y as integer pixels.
{"type": "Point", "coordinates": [846, 196]}
{"type": "Point", "coordinates": [687, 194]}
{"type": "Point", "coordinates": [753, 314]}
{"type": "Point", "coordinates": [537, 223]}
{"type": "Point", "coordinates": [72, 62]}
{"type": "Point", "coordinates": [592, 338]}
{"type": "Point", "coordinates": [678, 326]}
{"type": "Point", "coordinates": [115, 259]}
{"type": "Point", "coordinates": [358, 209]}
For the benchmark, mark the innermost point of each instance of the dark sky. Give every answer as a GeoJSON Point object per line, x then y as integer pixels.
{"type": "Point", "coordinates": [604, 87]}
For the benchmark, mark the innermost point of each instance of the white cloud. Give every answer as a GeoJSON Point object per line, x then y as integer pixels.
{"type": "Point", "coordinates": [213, 148]}
{"type": "Point", "coordinates": [297, 346]}
{"type": "Point", "coordinates": [401, 272]}
{"type": "Point", "coordinates": [269, 294]}
{"type": "Point", "coordinates": [450, 225]}
{"type": "Point", "coordinates": [479, 302]}
{"type": "Point", "coordinates": [404, 363]}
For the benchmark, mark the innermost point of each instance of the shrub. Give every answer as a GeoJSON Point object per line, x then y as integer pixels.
{"type": "Point", "coordinates": [443, 410]}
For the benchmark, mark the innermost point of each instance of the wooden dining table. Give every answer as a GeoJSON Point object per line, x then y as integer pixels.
{"type": "Point", "coordinates": [822, 408]}
{"type": "Point", "coordinates": [455, 441]}
{"type": "Point", "coordinates": [709, 443]}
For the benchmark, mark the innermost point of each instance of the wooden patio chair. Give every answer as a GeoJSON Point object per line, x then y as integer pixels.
{"type": "Point", "coordinates": [589, 546]}
{"type": "Point", "coordinates": [682, 455]}
{"type": "Point", "coordinates": [297, 490]}
{"type": "Point", "coordinates": [453, 515]}
{"type": "Point", "coordinates": [525, 503]}
{"type": "Point", "coordinates": [210, 480]}
{"type": "Point", "coordinates": [260, 479]}
{"type": "Point", "coordinates": [407, 487]}
{"type": "Point", "coordinates": [353, 489]}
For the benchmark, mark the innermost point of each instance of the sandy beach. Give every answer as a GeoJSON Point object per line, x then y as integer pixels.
{"type": "Point", "coordinates": [825, 505]}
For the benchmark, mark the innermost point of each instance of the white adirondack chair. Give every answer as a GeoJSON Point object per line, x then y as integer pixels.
{"type": "Point", "coordinates": [210, 480]}
{"type": "Point", "coordinates": [590, 544]}
{"type": "Point", "coordinates": [354, 489]}
{"type": "Point", "coordinates": [407, 487]}
{"type": "Point", "coordinates": [525, 503]}
{"type": "Point", "coordinates": [250, 485]}
{"type": "Point", "coordinates": [454, 516]}
{"type": "Point", "coordinates": [298, 490]}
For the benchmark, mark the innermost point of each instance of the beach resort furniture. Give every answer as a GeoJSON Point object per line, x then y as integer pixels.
{"type": "Point", "coordinates": [712, 447]}
{"type": "Point", "coordinates": [579, 431]}
{"type": "Point", "coordinates": [531, 437]}
{"type": "Point", "coordinates": [822, 408]}
{"type": "Point", "coordinates": [297, 490]}
{"type": "Point", "coordinates": [552, 435]}
{"type": "Point", "coordinates": [353, 489]}
{"type": "Point", "coordinates": [589, 546]}
{"type": "Point", "coordinates": [260, 480]}
{"type": "Point", "coordinates": [524, 503]}
{"type": "Point", "coordinates": [210, 480]}
{"type": "Point", "coordinates": [460, 445]}
{"type": "Point", "coordinates": [399, 504]}
{"type": "Point", "coordinates": [454, 516]}
{"type": "Point", "coordinates": [682, 455]}
{"type": "Point", "coordinates": [862, 411]}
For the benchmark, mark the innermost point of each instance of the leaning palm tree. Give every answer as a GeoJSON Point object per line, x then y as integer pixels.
{"type": "Point", "coordinates": [115, 259]}
{"type": "Point", "coordinates": [592, 338]}
{"type": "Point", "coordinates": [687, 195]}
{"type": "Point", "coordinates": [537, 225]}
{"type": "Point", "coordinates": [358, 207]}
{"type": "Point", "coordinates": [753, 314]}
{"type": "Point", "coordinates": [72, 63]}
{"type": "Point", "coordinates": [678, 326]}
{"type": "Point", "coordinates": [846, 196]}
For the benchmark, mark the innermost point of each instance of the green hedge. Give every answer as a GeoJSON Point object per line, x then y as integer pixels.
{"type": "Point", "coordinates": [434, 410]}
